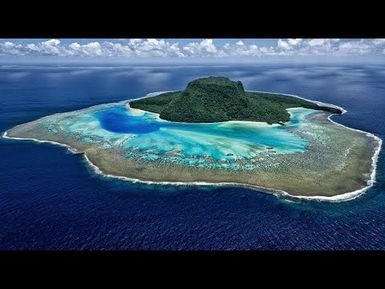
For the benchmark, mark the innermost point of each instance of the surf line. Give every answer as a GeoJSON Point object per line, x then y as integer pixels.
{"type": "Point", "coordinates": [337, 198]}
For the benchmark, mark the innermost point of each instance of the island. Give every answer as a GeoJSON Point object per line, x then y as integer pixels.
{"type": "Point", "coordinates": [214, 132]}
{"type": "Point", "coordinates": [215, 99]}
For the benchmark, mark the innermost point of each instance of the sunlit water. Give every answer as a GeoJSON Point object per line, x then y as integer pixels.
{"type": "Point", "coordinates": [51, 199]}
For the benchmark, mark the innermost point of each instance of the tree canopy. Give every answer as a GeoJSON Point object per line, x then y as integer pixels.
{"type": "Point", "coordinates": [215, 99]}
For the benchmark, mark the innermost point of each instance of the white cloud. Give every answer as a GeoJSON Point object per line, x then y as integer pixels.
{"type": "Point", "coordinates": [32, 46]}
{"type": "Point", "coordinates": [51, 47]}
{"type": "Point", "coordinates": [92, 49]}
{"type": "Point", "coordinates": [138, 48]}
{"type": "Point", "coordinates": [9, 48]}
{"type": "Point", "coordinates": [52, 42]}
{"type": "Point", "coordinates": [204, 48]}
{"type": "Point", "coordinates": [240, 49]}
{"type": "Point", "coordinates": [208, 45]}
{"type": "Point", "coordinates": [9, 45]}
{"type": "Point", "coordinates": [283, 44]}
{"type": "Point", "coordinates": [289, 44]}
{"type": "Point", "coordinates": [354, 47]}
{"type": "Point", "coordinates": [329, 47]}
{"type": "Point", "coordinates": [317, 42]}
{"type": "Point", "coordinates": [294, 42]}
{"type": "Point", "coordinates": [89, 49]}
{"type": "Point", "coordinates": [74, 46]}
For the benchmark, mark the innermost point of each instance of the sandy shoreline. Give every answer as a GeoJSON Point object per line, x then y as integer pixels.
{"type": "Point", "coordinates": [335, 198]}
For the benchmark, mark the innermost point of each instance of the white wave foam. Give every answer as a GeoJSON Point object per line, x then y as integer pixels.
{"type": "Point", "coordinates": [337, 198]}
{"type": "Point", "coordinates": [97, 170]}
{"type": "Point", "coordinates": [278, 193]}
{"type": "Point", "coordinates": [71, 149]}
{"type": "Point", "coordinates": [350, 195]}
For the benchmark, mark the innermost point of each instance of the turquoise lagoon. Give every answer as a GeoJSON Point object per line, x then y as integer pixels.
{"type": "Point", "coordinates": [143, 135]}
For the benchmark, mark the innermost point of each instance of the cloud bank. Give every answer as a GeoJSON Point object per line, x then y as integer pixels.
{"type": "Point", "coordinates": [142, 48]}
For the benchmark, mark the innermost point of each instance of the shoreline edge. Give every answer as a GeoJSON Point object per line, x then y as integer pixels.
{"type": "Point", "coordinates": [278, 193]}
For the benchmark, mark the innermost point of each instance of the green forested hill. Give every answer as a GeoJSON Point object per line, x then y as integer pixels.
{"type": "Point", "coordinates": [214, 99]}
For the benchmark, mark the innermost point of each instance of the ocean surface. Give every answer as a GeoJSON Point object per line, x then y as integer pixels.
{"type": "Point", "coordinates": [51, 199]}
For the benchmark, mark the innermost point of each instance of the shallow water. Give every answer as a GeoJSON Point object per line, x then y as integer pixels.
{"type": "Point", "coordinates": [50, 198]}
{"type": "Point", "coordinates": [151, 138]}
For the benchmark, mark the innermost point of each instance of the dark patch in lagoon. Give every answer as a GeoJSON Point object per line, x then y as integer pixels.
{"type": "Point", "coordinates": [117, 120]}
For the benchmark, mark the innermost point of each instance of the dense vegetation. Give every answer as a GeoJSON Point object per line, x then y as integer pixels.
{"type": "Point", "coordinates": [216, 99]}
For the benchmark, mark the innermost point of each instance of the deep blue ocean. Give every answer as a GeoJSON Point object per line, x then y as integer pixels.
{"type": "Point", "coordinates": [51, 200]}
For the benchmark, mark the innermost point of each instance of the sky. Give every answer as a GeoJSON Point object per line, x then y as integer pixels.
{"type": "Point", "coordinates": [249, 50]}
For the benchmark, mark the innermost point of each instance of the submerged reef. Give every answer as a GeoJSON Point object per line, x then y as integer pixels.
{"type": "Point", "coordinates": [308, 156]}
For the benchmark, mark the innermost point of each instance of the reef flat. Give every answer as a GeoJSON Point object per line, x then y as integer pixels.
{"type": "Point", "coordinates": [308, 156]}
